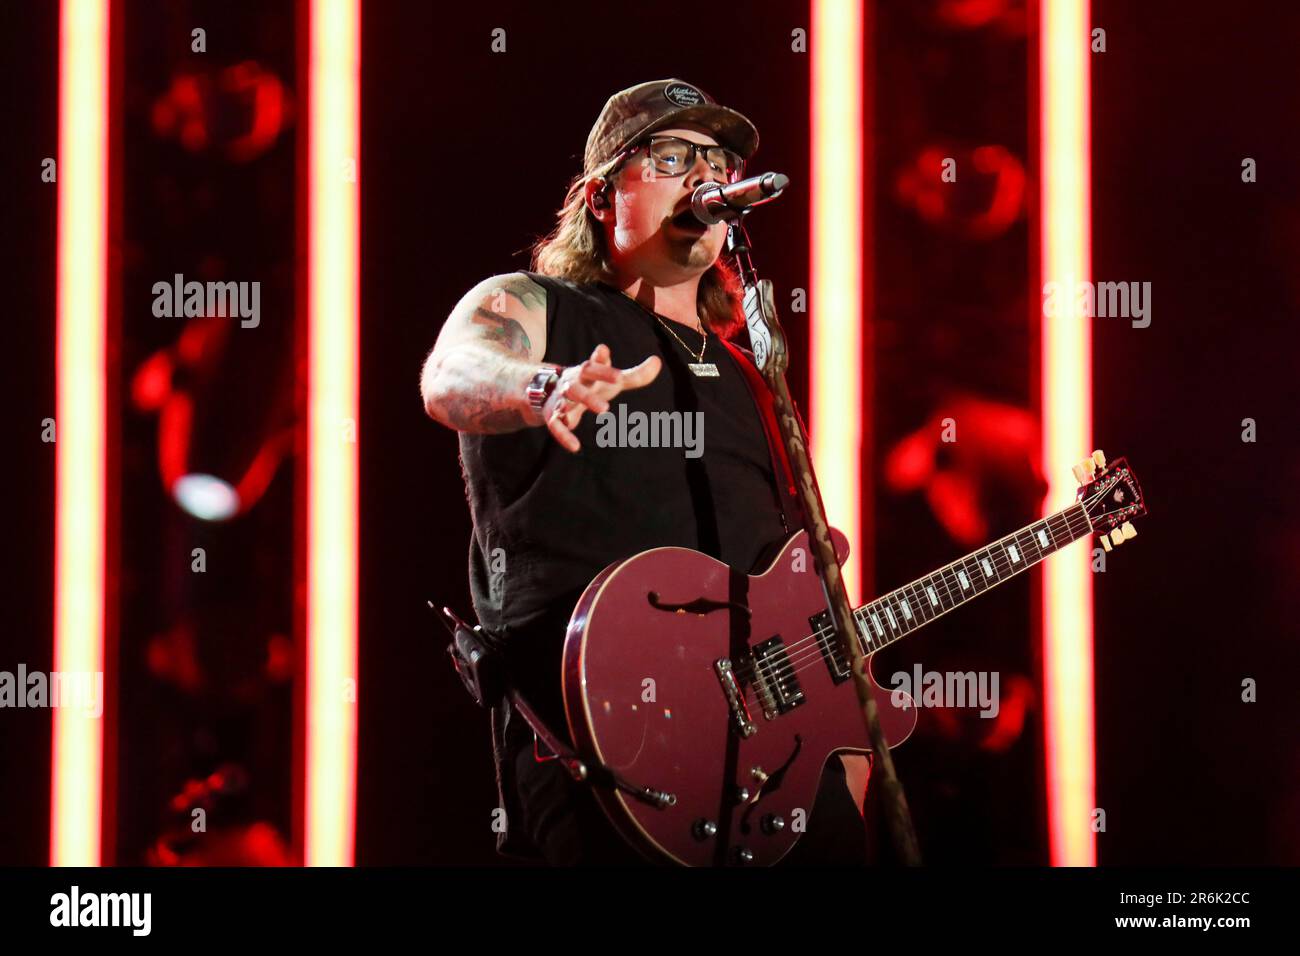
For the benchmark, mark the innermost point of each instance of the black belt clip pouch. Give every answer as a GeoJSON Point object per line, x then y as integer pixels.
{"type": "Point", "coordinates": [479, 666]}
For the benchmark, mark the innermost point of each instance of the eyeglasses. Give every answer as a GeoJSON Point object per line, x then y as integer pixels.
{"type": "Point", "coordinates": [671, 156]}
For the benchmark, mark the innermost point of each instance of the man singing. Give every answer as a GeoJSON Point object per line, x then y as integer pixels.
{"type": "Point", "coordinates": [626, 303]}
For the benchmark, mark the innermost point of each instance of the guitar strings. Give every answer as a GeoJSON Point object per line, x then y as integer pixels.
{"type": "Point", "coordinates": [800, 661]}
{"type": "Point", "coordinates": [802, 657]}
{"type": "Point", "coordinates": [913, 592]}
{"type": "Point", "coordinates": [805, 658]}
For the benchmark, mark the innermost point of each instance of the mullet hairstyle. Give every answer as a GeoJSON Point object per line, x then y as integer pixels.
{"type": "Point", "coordinates": [576, 250]}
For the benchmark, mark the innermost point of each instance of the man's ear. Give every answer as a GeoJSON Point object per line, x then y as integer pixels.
{"type": "Point", "coordinates": [597, 196]}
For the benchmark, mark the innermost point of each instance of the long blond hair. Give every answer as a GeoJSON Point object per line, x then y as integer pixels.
{"type": "Point", "coordinates": [576, 250]}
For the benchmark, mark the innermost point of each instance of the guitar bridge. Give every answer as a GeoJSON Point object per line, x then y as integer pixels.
{"type": "Point", "coordinates": [740, 719]}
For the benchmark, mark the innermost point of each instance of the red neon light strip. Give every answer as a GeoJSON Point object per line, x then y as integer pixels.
{"type": "Point", "coordinates": [1067, 428]}
{"type": "Point", "coordinates": [332, 309]}
{"type": "Point", "coordinates": [76, 786]}
{"type": "Point", "coordinates": [835, 417]}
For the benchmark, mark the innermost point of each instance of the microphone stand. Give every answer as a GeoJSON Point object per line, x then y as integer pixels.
{"type": "Point", "coordinates": [768, 343]}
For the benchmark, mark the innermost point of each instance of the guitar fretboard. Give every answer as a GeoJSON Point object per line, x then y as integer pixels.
{"type": "Point", "coordinates": [900, 612]}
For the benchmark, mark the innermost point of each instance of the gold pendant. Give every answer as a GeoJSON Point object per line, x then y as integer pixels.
{"type": "Point", "coordinates": [704, 369]}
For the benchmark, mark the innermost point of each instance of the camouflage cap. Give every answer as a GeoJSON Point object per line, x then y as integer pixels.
{"type": "Point", "coordinates": [662, 104]}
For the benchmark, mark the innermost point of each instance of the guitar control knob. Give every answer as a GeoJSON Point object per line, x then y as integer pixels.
{"type": "Point", "coordinates": [742, 794]}
{"type": "Point", "coordinates": [744, 856]}
{"type": "Point", "coordinates": [704, 829]}
{"type": "Point", "coordinates": [772, 823]}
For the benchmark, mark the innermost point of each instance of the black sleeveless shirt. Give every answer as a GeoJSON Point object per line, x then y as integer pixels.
{"type": "Point", "coordinates": [547, 521]}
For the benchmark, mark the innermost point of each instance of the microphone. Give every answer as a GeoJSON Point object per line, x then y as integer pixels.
{"type": "Point", "coordinates": [714, 202]}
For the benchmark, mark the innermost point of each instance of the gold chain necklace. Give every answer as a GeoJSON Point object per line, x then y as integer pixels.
{"type": "Point", "coordinates": [698, 358]}
{"type": "Point", "coordinates": [699, 368]}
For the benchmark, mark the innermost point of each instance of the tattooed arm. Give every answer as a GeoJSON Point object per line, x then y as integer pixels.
{"type": "Point", "coordinates": [492, 344]}
{"type": "Point", "coordinates": [476, 377]}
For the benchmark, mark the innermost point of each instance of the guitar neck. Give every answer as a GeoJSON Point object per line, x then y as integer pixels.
{"type": "Point", "coordinates": [900, 612]}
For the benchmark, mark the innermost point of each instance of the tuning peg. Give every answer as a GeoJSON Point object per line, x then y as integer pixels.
{"type": "Point", "coordinates": [1117, 537]}
{"type": "Point", "coordinates": [1129, 530]}
{"type": "Point", "coordinates": [1081, 473]}
{"type": "Point", "coordinates": [1099, 458]}
{"type": "Point", "coordinates": [1091, 467]}
{"type": "Point", "coordinates": [1105, 542]}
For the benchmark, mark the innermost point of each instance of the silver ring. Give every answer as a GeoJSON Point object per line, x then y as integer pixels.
{"type": "Point", "coordinates": [562, 400]}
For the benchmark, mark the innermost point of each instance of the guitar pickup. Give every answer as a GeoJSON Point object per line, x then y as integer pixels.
{"type": "Point", "coordinates": [774, 670]}
{"type": "Point", "coordinates": [829, 641]}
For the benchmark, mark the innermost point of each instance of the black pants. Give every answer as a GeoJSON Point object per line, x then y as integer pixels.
{"type": "Point", "coordinates": [567, 825]}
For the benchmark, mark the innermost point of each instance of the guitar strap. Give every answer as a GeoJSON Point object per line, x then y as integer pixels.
{"type": "Point", "coordinates": [787, 492]}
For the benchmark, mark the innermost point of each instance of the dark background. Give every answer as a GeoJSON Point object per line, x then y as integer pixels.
{"type": "Point", "coordinates": [465, 156]}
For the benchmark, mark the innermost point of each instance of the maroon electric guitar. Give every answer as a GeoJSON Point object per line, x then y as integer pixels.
{"type": "Point", "coordinates": [719, 696]}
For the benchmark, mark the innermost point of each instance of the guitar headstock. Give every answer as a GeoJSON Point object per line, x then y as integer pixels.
{"type": "Point", "coordinates": [1111, 496]}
